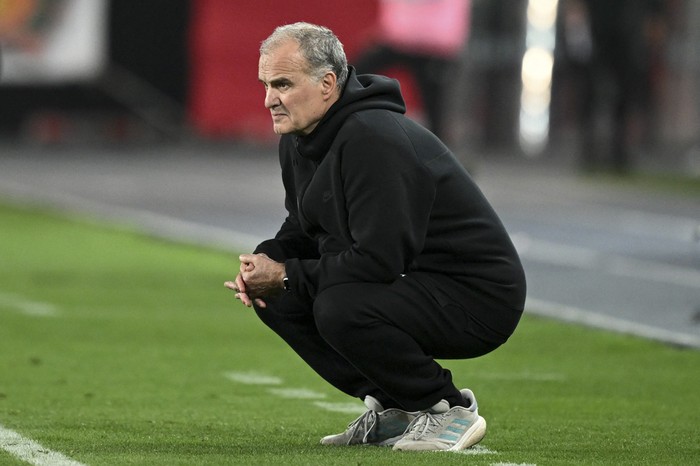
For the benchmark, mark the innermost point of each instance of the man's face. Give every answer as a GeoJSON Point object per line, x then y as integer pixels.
{"type": "Point", "coordinates": [296, 101]}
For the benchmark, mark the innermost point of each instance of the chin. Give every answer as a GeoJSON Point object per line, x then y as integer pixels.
{"type": "Point", "coordinates": [279, 130]}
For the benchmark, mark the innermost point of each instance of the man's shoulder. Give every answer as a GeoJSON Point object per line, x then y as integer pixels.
{"type": "Point", "coordinates": [374, 122]}
{"type": "Point", "coordinates": [383, 125]}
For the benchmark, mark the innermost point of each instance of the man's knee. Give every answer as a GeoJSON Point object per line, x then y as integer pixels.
{"type": "Point", "coordinates": [283, 311]}
{"type": "Point", "coordinates": [338, 311]}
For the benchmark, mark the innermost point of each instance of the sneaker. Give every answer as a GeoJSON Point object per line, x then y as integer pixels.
{"type": "Point", "coordinates": [377, 426]}
{"type": "Point", "coordinates": [445, 428]}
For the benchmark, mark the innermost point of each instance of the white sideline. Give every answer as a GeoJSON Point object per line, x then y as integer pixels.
{"type": "Point", "coordinates": [593, 319]}
{"type": "Point", "coordinates": [529, 248]}
{"type": "Point", "coordinates": [160, 225]}
{"type": "Point", "coordinates": [29, 451]}
{"type": "Point", "coordinates": [590, 259]}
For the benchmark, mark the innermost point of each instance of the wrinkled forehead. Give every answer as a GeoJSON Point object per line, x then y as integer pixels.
{"type": "Point", "coordinates": [283, 59]}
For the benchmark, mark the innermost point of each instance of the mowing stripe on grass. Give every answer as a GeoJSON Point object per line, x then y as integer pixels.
{"type": "Point", "coordinates": [31, 452]}
{"type": "Point", "coordinates": [27, 306]}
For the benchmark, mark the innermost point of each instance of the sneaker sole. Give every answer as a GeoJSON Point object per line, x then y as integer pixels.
{"type": "Point", "coordinates": [328, 441]}
{"type": "Point", "coordinates": [473, 436]}
{"type": "Point", "coordinates": [388, 442]}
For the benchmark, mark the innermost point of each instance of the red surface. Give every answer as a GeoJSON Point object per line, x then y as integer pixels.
{"type": "Point", "coordinates": [225, 98]}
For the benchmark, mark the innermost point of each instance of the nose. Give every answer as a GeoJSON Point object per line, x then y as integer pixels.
{"type": "Point", "coordinates": [271, 97]}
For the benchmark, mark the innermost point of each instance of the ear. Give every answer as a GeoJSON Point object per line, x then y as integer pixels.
{"type": "Point", "coordinates": [328, 85]}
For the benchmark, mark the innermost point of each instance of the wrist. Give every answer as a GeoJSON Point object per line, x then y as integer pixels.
{"type": "Point", "coordinates": [284, 280]}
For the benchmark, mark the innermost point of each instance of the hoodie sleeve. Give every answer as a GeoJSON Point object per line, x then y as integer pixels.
{"type": "Point", "coordinates": [388, 198]}
{"type": "Point", "coordinates": [290, 240]}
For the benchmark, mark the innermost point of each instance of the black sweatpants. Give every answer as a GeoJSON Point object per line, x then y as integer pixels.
{"type": "Point", "coordinates": [382, 339]}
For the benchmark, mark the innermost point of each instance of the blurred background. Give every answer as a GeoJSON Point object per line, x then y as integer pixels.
{"type": "Point", "coordinates": [580, 120]}
{"type": "Point", "coordinates": [608, 85]}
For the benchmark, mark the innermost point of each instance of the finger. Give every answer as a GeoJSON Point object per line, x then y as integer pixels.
{"type": "Point", "coordinates": [240, 284]}
{"type": "Point", "coordinates": [245, 299]}
{"type": "Point", "coordinates": [246, 258]}
{"type": "Point", "coordinates": [261, 304]}
{"type": "Point", "coordinates": [231, 286]}
{"type": "Point", "coordinates": [246, 267]}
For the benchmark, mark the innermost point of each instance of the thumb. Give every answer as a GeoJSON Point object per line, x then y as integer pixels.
{"type": "Point", "coordinates": [246, 258]}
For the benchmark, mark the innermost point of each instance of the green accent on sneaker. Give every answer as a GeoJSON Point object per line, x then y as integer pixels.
{"type": "Point", "coordinates": [383, 428]}
{"type": "Point", "coordinates": [456, 429]}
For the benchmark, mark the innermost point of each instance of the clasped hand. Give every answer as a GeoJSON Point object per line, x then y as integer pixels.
{"type": "Point", "coordinates": [259, 277]}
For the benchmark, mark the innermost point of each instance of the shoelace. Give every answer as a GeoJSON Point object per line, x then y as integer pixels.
{"type": "Point", "coordinates": [366, 422]}
{"type": "Point", "coordinates": [424, 424]}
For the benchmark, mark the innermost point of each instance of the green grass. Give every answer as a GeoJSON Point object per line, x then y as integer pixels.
{"type": "Point", "coordinates": [130, 369]}
{"type": "Point", "coordinates": [662, 183]}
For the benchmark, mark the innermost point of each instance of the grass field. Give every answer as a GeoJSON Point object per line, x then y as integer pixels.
{"type": "Point", "coordinates": [117, 349]}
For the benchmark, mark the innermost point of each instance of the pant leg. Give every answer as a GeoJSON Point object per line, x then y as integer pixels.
{"type": "Point", "coordinates": [292, 319]}
{"type": "Point", "coordinates": [392, 335]}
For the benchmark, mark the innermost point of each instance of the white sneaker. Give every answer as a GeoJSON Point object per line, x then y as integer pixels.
{"type": "Point", "coordinates": [377, 426]}
{"type": "Point", "coordinates": [444, 428]}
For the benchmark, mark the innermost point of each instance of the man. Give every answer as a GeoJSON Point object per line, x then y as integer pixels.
{"type": "Point", "coordinates": [389, 257]}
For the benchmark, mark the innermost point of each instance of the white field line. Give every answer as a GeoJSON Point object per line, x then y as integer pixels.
{"type": "Point", "coordinates": [307, 394]}
{"type": "Point", "coordinates": [592, 319]}
{"type": "Point", "coordinates": [513, 464]}
{"type": "Point", "coordinates": [316, 398]}
{"type": "Point", "coordinates": [475, 450]}
{"type": "Point", "coordinates": [31, 452]}
{"type": "Point", "coordinates": [296, 393]}
{"type": "Point", "coordinates": [350, 408]}
{"type": "Point", "coordinates": [27, 306]}
{"type": "Point", "coordinates": [542, 251]}
{"type": "Point", "coordinates": [590, 259]}
{"type": "Point", "coordinates": [253, 378]}
{"type": "Point", "coordinates": [160, 225]}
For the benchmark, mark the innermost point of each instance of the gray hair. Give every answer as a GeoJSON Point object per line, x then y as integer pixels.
{"type": "Point", "coordinates": [318, 45]}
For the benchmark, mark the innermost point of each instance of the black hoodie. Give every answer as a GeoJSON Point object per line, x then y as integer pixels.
{"type": "Point", "coordinates": [372, 195]}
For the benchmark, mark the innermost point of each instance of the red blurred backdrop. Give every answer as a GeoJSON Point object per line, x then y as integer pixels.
{"type": "Point", "coordinates": [225, 98]}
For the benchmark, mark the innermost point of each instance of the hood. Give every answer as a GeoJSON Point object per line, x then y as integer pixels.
{"type": "Point", "coordinates": [361, 92]}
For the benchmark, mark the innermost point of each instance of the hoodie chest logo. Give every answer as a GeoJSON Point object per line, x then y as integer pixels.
{"type": "Point", "coordinates": [327, 195]}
